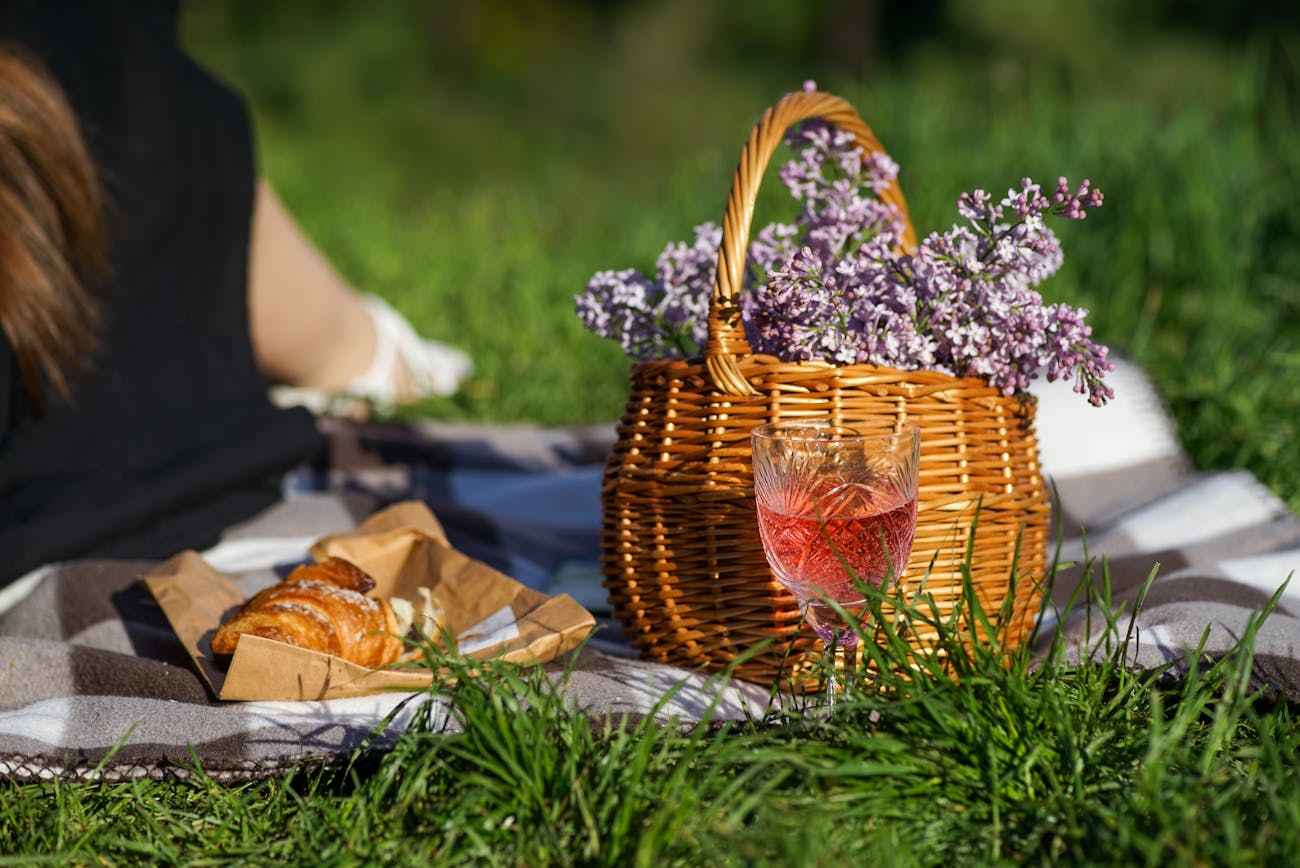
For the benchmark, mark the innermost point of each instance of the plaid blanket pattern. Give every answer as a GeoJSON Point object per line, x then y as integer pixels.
{"type": "Point", "coordinates": [94, 684]}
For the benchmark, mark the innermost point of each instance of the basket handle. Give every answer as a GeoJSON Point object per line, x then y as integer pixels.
{"type": "Point", "coordinates": [726, 333]}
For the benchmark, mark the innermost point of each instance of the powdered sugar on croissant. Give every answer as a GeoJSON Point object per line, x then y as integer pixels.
{"type": "Point", "coordinates": [322, 607]}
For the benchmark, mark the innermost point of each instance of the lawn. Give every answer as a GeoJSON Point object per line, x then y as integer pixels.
{"type": "Point", "coordinates": [476, 164]}
{"type": "Point", "coordinates": [478, 168]}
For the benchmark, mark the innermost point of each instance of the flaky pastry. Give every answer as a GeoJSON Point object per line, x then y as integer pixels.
{"type": "Point", "coordinates": [322, 607]}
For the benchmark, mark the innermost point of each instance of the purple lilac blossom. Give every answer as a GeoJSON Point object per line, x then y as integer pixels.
{"type": "Point", "coordinates": [835, 287]}
{"type": "Point", "coordinates": [667, 316]}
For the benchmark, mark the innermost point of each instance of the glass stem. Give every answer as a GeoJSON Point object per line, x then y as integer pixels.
{"type": "Point", "coordinates": [832, 682]}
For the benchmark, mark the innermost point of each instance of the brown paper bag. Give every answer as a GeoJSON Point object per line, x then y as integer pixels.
{"type": "Point", "coordinates": [403, 548]}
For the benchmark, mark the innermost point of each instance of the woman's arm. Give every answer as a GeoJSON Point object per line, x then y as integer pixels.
{"type": "Point", "coordinates": [308, 325]}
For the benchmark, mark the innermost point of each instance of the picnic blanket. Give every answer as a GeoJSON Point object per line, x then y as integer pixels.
{"type": "Point", "coordinates": [93, 682]}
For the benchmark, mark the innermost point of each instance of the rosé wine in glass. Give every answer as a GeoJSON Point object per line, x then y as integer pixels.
{"type": "Point", "coordinates": [836, 510]}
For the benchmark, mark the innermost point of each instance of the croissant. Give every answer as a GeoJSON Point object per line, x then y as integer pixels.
{"type": "Point", "coordinates": [323, 607]}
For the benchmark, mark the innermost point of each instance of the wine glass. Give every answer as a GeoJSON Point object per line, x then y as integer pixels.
{"type": "Point", "coordinates": [836, 510]}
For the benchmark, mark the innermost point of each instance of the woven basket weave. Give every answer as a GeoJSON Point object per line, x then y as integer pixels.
{"type": "Point", "coordinates": [683, 566]}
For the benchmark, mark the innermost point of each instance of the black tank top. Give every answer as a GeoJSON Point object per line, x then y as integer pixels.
{"type": "Point", "coordinates": [170, 437]}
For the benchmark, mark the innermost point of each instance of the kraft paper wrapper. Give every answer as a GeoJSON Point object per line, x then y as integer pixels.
{"type": "Point", "coordinates": [403, 548]}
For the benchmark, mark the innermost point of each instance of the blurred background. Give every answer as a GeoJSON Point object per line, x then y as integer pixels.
{"type": "Point", "coordinates": [477, 162]}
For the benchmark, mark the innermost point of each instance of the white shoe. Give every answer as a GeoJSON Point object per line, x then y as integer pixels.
{"type": "Point", "coordinates": [432, 368]}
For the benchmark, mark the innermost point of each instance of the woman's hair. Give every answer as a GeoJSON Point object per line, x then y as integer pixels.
{"type": "Point", "coordinates": [51, 230]}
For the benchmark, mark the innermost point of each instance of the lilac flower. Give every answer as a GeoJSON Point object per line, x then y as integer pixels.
{"type": "Point", "coordinates": [835, 286]}
{"type": "Point", "coordinates": [667, 316]}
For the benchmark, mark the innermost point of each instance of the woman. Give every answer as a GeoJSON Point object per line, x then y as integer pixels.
{"type": "Point", "coordinates": [136, 336]}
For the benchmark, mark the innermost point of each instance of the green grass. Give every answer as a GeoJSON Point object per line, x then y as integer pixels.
{"type": "Point", "coordinates": [476, 167]}
{"type": "Point", "coordinates": [986, 761]}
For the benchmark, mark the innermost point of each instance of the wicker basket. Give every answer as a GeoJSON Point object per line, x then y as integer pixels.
{"type": "Point", "coordinates": [683, 565]}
